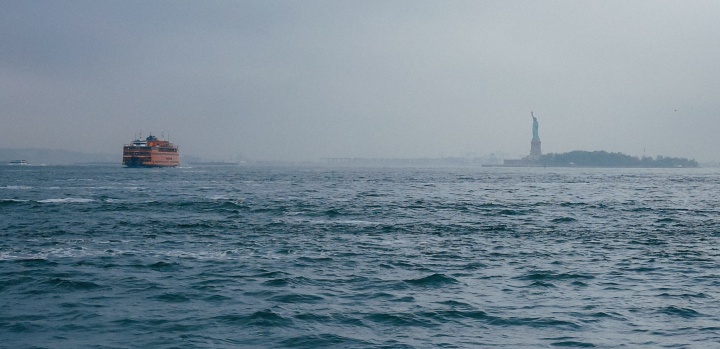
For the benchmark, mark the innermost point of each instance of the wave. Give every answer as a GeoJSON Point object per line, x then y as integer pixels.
{"type": "Point", "coordinates": [434, 280]}
{"type": "Point", "coordinates": [445, 316]}
{"type": "Point", "coordinates": [173, 298]}
{"type": "Point", "coordinates": [572, 344]}
{"type": "Point", "coordinates": [293, 281]}
{"type": "Point", "coordinates": [541, 275]}
{"type": "Point", "coordinates": [268, 318]}
{"type": "Point", "coordinates": [509, 212]}
{"type": "Point", "coordinates": [17, 187]}
{"type": "Point", "coordinates": [325, 340]}
{"type": "Point", "coordinates": [439, 317]}
{"type": "Point", "coordinates": [296, 298]}
{"type": "Point", "coordinates": [197, 225]}
{"type": "Point", "coordinates": [165, 266]}
{"type": "Point", "coordinates": [73, 284]}
{"type": "Point", "coordinates": [9, 202]}
{"type": "Point", "coordinates": [272, 274]}
{"type": "Point", "coordinates": [536, 322]}
{"type": "Point", "coordinates": [564, 220]}
{"type": "Point", "coordinates": [542, 284]}
{"type": "Point", "coordinates": [681, 312]}
{"type": "Point", "coordinates": [66, 200]}
{"type": "Point", "coordinates": [402, 319]}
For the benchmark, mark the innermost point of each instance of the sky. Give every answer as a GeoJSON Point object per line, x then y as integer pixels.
{"type": "Point", "coordinates": [307, 80]}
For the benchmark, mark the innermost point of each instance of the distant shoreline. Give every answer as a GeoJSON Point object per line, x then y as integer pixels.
{"type": "Point", "coordinates": [600, 159]}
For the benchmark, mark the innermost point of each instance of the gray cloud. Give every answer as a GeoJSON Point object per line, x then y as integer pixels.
{"type": "Point", "coordinates": [312, 79]}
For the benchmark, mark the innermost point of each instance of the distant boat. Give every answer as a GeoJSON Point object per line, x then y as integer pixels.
{"type": "Point", "coordinates": [151, 152]}
{"type": "Point", "coordinates": [18, 163]}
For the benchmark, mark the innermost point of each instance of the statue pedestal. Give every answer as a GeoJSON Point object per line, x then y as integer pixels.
{"type": "Point", "coordinates": [535, 150]}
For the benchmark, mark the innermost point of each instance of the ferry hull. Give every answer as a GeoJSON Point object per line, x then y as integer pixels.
{"type": "Point", "coordinates": [137, 162]}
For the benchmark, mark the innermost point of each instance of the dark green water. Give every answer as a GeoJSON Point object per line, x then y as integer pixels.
{"type": "Point", "coordinates": [107, 257]}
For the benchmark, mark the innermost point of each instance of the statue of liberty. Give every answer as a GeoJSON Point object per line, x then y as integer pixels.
{"type": "Point", "coordinates": [535, 151]}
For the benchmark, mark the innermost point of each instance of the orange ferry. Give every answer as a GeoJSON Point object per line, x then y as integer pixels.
{"type": "Point", "coordinates": [151, 152]}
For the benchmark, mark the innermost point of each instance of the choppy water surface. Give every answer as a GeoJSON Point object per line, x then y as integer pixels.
{"type": "Point", "coordinates": [106, 257]}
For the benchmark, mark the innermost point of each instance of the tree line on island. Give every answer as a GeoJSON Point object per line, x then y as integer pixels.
{"type": "Point", "coordinates": [606, 159]}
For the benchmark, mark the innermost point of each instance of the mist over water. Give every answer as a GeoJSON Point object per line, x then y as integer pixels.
{"type": "Point", "coordinates": [254, 257]}
{"type": "Point", "coordinates": [303, 81]}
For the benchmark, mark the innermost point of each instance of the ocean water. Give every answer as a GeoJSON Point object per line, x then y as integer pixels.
{"type": "Point", "coordinates": [251, 257]}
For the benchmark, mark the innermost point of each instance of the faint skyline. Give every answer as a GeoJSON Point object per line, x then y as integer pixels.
{"type": "Point", "coordinates": [303, 80]}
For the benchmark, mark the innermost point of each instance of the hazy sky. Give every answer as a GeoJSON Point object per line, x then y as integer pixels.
{"type": "Point", "coordinates": [304, 80]}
